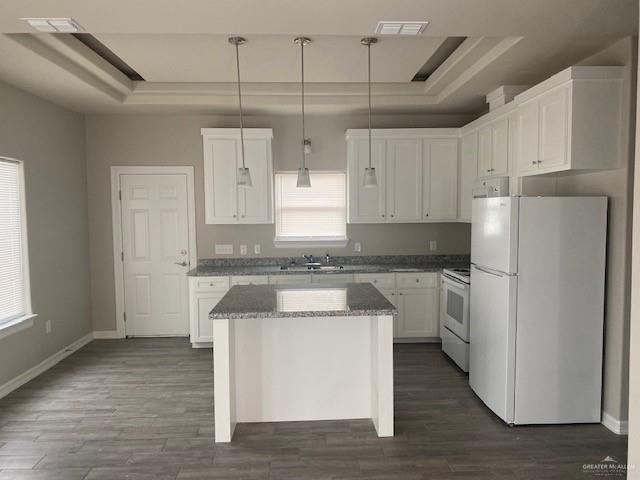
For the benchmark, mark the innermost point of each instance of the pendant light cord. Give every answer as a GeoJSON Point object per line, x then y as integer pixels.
{"type": "Point", "coordinates": [302, 90]}
{"type": "Point", "coordinates": [369, 83]}
{"type": "Point", "coordinates": [240, 104]}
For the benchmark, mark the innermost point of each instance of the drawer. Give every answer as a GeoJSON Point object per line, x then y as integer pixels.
{"type": "Point", "coordinates": [383, 281]}
{"type": "Point", "coordinates": [329, 278]}
{"type": "Point", "coordinates": [250, 280]}
{"type": "Point", "coordinates": [417, 280]}
{"type": "Point", "coordinates": [210, 284]}
{"type": "Point", "coordinates": [290, 279]}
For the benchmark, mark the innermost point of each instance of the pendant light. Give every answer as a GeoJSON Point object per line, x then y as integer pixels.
{"type": "Point", "coordinates": [303, 171]}
{"type": "Point", "coordinates": [370, 180]}
{"type": "Point", "coordinates": [244, 177]}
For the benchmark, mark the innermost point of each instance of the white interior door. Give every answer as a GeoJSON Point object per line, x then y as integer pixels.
{"type": "Point", "coordinates": [155, 241]}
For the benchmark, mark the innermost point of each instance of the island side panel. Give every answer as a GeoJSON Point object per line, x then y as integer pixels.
{"type": "Point", "coordinates": [303, 368]}
{"type": "Point", "coordinates": [382, 374]}
{"type": "Point", "coordinates": [224, 379]}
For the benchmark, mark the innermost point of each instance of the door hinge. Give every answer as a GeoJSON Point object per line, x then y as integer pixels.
{"type": "Point", "coordinates": [122, 256]}
{"type": "Point", "coordinates": [120, 195]}
{"type": "Point", "coordinates": [124, 315]}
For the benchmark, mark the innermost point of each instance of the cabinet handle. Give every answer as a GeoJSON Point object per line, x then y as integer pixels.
{"type": "Point", "coordinates": [539, 162]}
{"type": "Point", "coordinates": [392, 215]}
{"type": "Point", "coordinates": [375, 281]}
{"type": "Point", "coordinates": [382, 215]}
{"type": "Point", "coordinates": [234, 215]}
{"type": "Point", "coordinates": [417, 280]}
{"type": "Point", "coordinates": [401, 294]}
{"type": "Point", "coordinates": [534, 163]}
{"type": "Point", "coordinates": [427, 214]}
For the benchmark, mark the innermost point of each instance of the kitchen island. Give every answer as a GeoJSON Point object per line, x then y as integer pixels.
{"type": "Point", "coordinates": [313, 352]}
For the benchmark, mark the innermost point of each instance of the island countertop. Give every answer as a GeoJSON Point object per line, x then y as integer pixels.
{"type": "Point", "coordinates": [315, 300]}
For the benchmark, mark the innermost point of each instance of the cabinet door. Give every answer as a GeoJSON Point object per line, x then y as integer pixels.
{"type": "Point", "coordinates": [418, 312]}
{"type": "Point", "coordinates": [220, 180]}
{"type": "Point", "coordinates": [527, 137]}
{"type": "Point", "coordinates": [331, 278]}
{"type": "Point", "coordinates": [250, 280]}
{"type": "Point", "coordinates": [204, 325]}
{"type": "Point", "coordinates": [500, 147]}
{"type": "Point", "coordinates": [290, 279]}
{"type": "Point", "coordinates": [553, 137]}
{"type": "Point", "coordinates": [404, 180]}
{"type": "Point", "coordinates": [256, 203]}
{"type": "Point", "coordinates": [468, 169]}
{"type": "Point", "coordinates": [366, 205]}
{"type": "Point", "coordinates": [485, 141]}
{"type": "Point", "coordinates": [440, 183]}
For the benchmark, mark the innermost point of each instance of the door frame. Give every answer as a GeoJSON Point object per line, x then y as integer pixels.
{"type": "Point", "coordinates": [116, 216]}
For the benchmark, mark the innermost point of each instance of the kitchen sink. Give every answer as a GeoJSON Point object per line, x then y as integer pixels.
{"type": "Point", "coordinates": [311, 268]}
{"type": "Point", "coordinates": [406, 270]}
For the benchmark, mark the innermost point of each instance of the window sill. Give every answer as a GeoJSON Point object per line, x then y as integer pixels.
{"type": "Point", "coordinates": [16, 325]}
{"type": "Point", "coordinates": [307, 242]}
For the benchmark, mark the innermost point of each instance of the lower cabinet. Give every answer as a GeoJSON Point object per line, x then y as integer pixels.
{"type": "Point", "coordinates": [417, 313]}
{"type": "Point", "coordinates": [204, 294]}
{"type": "Point", "coordinates": [304, 279]}
{"type": "Point", "coordinates": [417, 298]}
{"type": "Point", "coordinates": [329, 279]}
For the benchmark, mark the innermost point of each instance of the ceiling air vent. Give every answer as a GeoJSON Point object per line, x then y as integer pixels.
{"type": "Point", "coordinates": [400, 28]}
{"type": "Point", "coordinates": [54, 25]}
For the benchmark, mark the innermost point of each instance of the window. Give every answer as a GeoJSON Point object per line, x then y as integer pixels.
{"type": "Point", "coordinates": [15, 303]}
{"type": "Point", "coordinates": [311, 216]}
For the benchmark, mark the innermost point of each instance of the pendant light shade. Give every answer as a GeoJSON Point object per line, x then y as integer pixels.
{"type": "Point", "coordinates": [370, 180]}
{"type": "Point", "coordinates": [244, 176]}
{"type": "Point", "coordinates": [303, 178]}
{"type": "Point", "coordinates": [304, 181]}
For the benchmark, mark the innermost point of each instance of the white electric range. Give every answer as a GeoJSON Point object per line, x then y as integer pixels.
{"type": "Point", "coordinates": [454, 315]}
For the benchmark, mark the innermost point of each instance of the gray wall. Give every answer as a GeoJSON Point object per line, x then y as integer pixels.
{"type": "Point", "coordinates": [176, 140]}
{"type": "Point", "coordinates": [51, 142]}
{"type": "Point", "coordinates": [617, 186]}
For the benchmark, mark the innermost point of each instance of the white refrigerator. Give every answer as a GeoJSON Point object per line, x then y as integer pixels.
{"type": "Point", "coordinates": [537, 307]}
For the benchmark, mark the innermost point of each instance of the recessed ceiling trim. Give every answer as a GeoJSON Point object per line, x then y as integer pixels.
{"type": "Point", "coordinates": [105, 53]}
{"type": "Point", "coordinates": [442, 53]}
{"type": "Point", "coordinates": [54, 25]}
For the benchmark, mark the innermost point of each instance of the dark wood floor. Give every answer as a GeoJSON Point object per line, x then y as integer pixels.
{"type": "Point", "coordinates": [142, 409]}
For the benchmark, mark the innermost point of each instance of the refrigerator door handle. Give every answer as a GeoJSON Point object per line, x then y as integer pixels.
{"type": "Point", "coordinates": [494, 272]}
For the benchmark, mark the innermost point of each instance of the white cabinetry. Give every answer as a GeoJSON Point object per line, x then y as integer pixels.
{"type": "Point", "coordinates": [493, 149]}
{"type": "Point", "coordinates": [418, 303]}
{"type": "Point", "coordinates": [468, 174]}
{"type": "Point", "coordinates": [225, 203]}
{"type": "Point", "coordinates": [571, 121]}
{"type": "Point", "coordinates": [331, 278]}
{"type": "Point", "coordinates": [204, 294]}
{"type": "Point", "coordinates": [416, 295]}
{"type": "Point", "coordinates": [417, 172]}
{"type": "Point", "coordinates": [303, 279]}
{"type": "Point", "coordinates": [440, 179]}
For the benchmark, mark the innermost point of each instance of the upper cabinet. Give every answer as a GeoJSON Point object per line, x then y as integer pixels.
{"type": "Point", "coordinates": [493, 149]}
{"type": "Point", "coordinates": [417, 172]}
{"type": "Point", "coordinates": [571, 121]}
{"type": "Point", "coordinates": [225, 202]}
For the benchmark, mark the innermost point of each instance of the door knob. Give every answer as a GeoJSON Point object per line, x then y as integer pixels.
{"type": "Point", "coordinates": [182, 264]}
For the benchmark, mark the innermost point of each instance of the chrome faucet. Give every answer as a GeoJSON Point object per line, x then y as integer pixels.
{"type": "Point", "coordinates": [309, 258]}
{"type": "Point", "coordinates": [327, 258]}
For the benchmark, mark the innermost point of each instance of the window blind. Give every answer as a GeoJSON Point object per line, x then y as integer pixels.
{"type": "Point", "coordinates": [321, 300]}
{"type": "Point", "coordinates": [318, 212]}
{"type": "Point", "coordinates": [12, 283]}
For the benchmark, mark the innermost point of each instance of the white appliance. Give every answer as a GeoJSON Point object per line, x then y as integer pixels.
{"type": "Point", "coordinates": [454, 315]}
{"type": "Point", "coordinates": [492, 187]}
{"type": "Point", "coordinates": [537, 307]}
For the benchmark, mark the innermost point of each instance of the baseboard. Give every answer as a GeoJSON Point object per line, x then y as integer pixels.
{"type": "Point", "coordinates": [619, 427]}
{"type": "Point", "coordinates": [417, 340]}
{"type": "Point", "coordinates": [43, 366]}
{"type": "Point", "coordinates": [105, 334]}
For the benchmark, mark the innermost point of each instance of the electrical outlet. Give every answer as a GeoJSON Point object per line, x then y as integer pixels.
{"type": "Point", "coordinates": [47, 326]}
{"type": "Point", "coordinates": [433, 245]}
{"type": "Point", "coordinates": [243, 249]}
{"type": "Point", "coordinates": [256, 249]}
{"type": "Point", "coordinates": [357, 247]}
{"type": "Point", "coordinates": [224, 249]}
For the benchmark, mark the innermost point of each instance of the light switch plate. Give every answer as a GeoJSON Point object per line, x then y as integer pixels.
{"type": "Point", "coordinates": [433, 245]}
{"type": "Point", "coordinates": [256, 249]}
{"type": "Point", "coordinates": [357, 247]}
{"type": "Point", "coordinates": [243, 249]}
{"type": "Point", "coordinates": [224, 249]}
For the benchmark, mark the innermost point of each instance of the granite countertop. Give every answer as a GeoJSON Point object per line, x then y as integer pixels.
{"type": "Point", "coordinates": [371, 264]}
{"type": "Point", "coordinates": [277, 301]}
